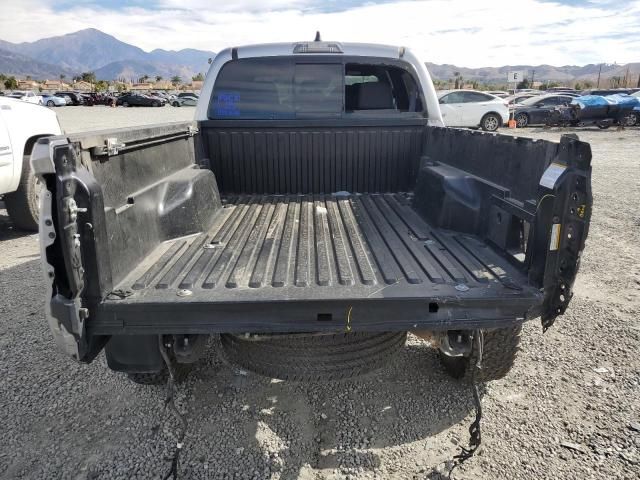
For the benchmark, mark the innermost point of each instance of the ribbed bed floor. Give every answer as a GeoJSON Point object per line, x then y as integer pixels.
{"type": "Point", "coordinates": [264, 248]}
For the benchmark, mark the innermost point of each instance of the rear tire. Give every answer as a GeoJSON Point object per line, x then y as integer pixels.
{"type": "Point", "coordinates": [522, 120]}
{"type": "Point", "coordinates": [630, 120]}
{"type": "Point", "coordinates": [499, 353]}
{"type": "Point", "coordinates": [314, 358]}
{"type": "Point", "coordinates": [22, 205]}
{"type": "Point", "coordinates": [50, 103]}
{"type": "Point", "coordinates": [490, 122]}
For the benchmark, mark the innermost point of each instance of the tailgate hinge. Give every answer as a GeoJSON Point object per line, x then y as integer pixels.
{"type": "Point", "coordinates": [111, 147]}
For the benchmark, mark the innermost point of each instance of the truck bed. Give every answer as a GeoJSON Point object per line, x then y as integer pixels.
{"type": "Point", "coordinates": [293, 260]}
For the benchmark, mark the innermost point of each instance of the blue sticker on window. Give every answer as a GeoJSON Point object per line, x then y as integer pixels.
{"type": "Point", "coordinates": [225, 104]}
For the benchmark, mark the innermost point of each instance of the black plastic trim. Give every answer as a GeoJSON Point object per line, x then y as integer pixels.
{"type": "Point", "coordinates": [280, 316]}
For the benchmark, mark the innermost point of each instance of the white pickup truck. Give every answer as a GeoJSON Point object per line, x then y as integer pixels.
{"type": "Point", "coordinates": [28, 96]}
{"type": "Point", "coordinates": [318, 212]}
{"type": "Point", "coordinates": [21, 125]}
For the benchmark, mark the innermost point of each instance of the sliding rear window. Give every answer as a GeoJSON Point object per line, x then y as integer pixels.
{"type": "Point", "coordinates": [289, 88]}
{"type": "Point", "coordinates": [276, 88]}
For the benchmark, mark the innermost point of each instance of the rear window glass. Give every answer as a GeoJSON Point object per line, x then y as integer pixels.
{"type": "Point", "coordinates": [471, 97]}
{"type": "Point", "coordinates": [318, 89]}
{"type": "Point", "coordinates": [256, 88]}
{"type": "Point", "coordinates": [289, 88]}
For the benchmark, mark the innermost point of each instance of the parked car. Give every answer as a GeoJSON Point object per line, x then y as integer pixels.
{"type": "Point", "coordinates": [517, 98]}
{"type": "Point", "coordinates": [568, 94]}
{"type": "Point", "coordinates": [607, 91]}
{"type": "Point", "coordinates": [636, 111]}
{"type": "Point", "coordinates": [303, 271]}
{"type": "Point", "coordinates": [53, 100]}
{"type": "Point", "coordinates": [633, 119]}
{"type": "Point", "coordinates": [186, 101]}
{"type": "Point", "coordinates": [67, 99]}
{"type": "Point", "coordinates": [89, 99]}
{"type": "Point", "coordinates": [21, 125]}
{"type": "Point", "coordinates": [561, 90]}
{"type": "Point", "coordinates": [139, 100]}
{"type": "Point", "coordinates": [470, 108]}
{"type": "Point", "coordinates": [163, 95]}
{"type": "Point", "coordinates": [532, 91]}
{"type": "Point", "coordinates": [75, 97]}
{"type": "Point", "coordinates": [27, 96]}
{"type": "Point", "coordinates": [603, 111]}
{"type": "Point", "coordinates": [100, 98]}
{"type": "Point", "coordinates": [536, 110]}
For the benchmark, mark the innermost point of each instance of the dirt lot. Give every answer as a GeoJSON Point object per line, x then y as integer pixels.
{"type": "Point", "coordinates": [569, 409]}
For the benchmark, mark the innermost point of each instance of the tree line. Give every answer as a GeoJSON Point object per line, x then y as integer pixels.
{"type": "Point", "coordinates": [11, 83]}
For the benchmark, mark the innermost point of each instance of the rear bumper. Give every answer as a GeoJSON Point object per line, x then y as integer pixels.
{"type": "Point", "coordinates": [400, 314]}
{"type": "Point", "coordinates": [505, 116]}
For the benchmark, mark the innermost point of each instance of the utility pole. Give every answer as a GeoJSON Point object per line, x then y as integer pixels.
{"type": "Point", "coordinates": [599, 72]}
{"type": "Point", "coordinates": [533, 77]}
{"type": "Point", "coordinates": [626, 78]}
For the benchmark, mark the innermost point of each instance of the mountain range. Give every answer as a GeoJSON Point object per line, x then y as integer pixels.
{"type": "Point", "coordinates": [565, 74]}
{"type": "Point", "coordinates": [95, 51]}
{"type": "Point", "coordinates": [110, 58]}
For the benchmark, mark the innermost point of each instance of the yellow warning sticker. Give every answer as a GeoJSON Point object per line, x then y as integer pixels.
{"type": "Point", "coordinates": [554, 244]}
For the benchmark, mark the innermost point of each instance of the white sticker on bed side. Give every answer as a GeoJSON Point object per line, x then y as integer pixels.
{"type": "Point", "coordinates": [551, 175]}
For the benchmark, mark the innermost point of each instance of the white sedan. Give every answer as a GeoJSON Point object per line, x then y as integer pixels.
{"type": "Point", "coordinates": [185, 101]}
{"type": "Point", "coordinates": [469, 108]}
{"type": "Point", "coordinates": [28, 97]}
{"type": "Point", "coordinates": [53, 100]}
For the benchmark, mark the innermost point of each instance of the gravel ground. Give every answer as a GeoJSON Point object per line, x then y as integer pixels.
{"type": "Point", "coordinates": [569, 409]}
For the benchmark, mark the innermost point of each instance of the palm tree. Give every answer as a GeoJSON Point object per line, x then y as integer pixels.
{"type": "Point", "coordinates": [175, 80]}
{"type": "Point", "coordinates": [89, 77]}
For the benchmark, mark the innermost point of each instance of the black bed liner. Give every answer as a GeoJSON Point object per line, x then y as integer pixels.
{"type": "Point", "coordinates": [315, 258]}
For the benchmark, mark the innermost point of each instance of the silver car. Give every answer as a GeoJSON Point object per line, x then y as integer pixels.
{"type": "Point", "coordinates": [186, 101]}
{"type": "Point", "coordinates": [53, 101]}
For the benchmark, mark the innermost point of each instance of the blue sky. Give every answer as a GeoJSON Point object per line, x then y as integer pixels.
{"type": "Point", "coordinates": [463, 32]}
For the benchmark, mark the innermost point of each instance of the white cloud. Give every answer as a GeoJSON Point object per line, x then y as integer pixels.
{"type": "Point", "coordinates": [465, 33]}
{"type": "Point", "coordinates": [235, 5]}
